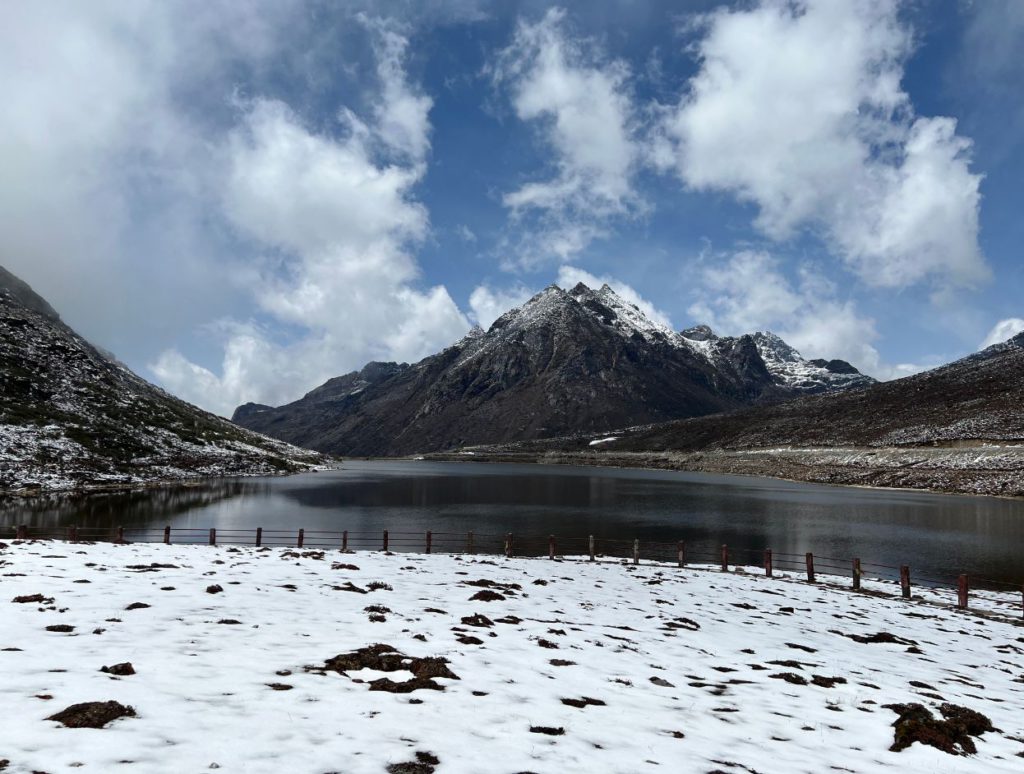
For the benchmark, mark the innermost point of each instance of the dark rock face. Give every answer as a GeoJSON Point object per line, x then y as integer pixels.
{"type": "Point", "coordinates": [75, 418]}
{"type": "Point", "coordinates": [564, 362]}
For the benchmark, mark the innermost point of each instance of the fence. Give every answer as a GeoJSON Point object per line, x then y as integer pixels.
{"type": "Point", "coordinates": [510, 545]}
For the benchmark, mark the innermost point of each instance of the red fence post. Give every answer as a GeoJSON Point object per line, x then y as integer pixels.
{"type": "Point", "coordinates": [430, 540]}
{"type": "Point", "coordinates": [810, 567]}
{"type": "Point", "coordinates": [167, 535]}
{"type": "Point", "coordinates": [768, 568]}
{"type": "Point", "coordinates": [385, 540]}
{"type": "Point", "coordinates": [681, 553]}
{"type": "Point", "coordinates": [469, 544]}
{"type": "Point", "coordinates": [961, 592]}
{"type": "Point", "coordinates": [551, 546]}
{"type": "Point", "coordinates": [259, 536]}
{"type": "Point", "coordinates": [21, 533]}
{"type": "Point", "coordinates": [213, 536]}
{"type": "Point", "coordinates": [592, 556]}
{"type": "Point", "coordinates": [344, 540]}
{"type": "Point", "coordinates": [120, 534]}
{"type": "Point", "coordinates": [302, 538]}
{"type": "Point", "coordinates": [636, 551]}
{"type": "Point", "coordinates": [856, 574]}
{"type": "Point", "coordinates": [725, 558]}
{"type": "Point", "coordinates": [905, 581]}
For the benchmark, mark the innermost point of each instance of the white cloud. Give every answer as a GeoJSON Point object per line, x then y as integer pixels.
{"type": "Point", "coordinates": [488, 304]}
{"type": "Point", "coordinates": [798, 109]}
{"type": "Point", "coordinates": [582, 104]}
{"type": "Point", "coordinates": [341, 221]}
{"type": "Point", "coordinates": [748, 291]}
{"type": "Point", "coordinates": [569, 276]}
{"type": "Point", "coordinates": [1003, 330]}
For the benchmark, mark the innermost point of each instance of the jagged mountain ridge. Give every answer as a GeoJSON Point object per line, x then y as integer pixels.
{"type": "Point", "coordinates": [974, 401]}
{"type": "Point", "coordinates": [565, 361]}
{"type": "Point", "coordinates": [71, 417]}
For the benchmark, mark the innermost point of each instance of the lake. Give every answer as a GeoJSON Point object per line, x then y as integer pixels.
{"type": "Point", "coordinates": [937, 535]}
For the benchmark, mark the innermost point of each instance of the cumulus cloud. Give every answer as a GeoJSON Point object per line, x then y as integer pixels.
{"type": "Point", "coordinates": [749, 291]}
{"type": "Point", "coordinates": [1003, 330]}
{"type": "Point", "coordinates": [797, 108]}
{"type": "Point", "coordinates": [582, 104]}
{"type": "Point", "coordinates": [337, 222]}
{"type": "Point", "coordinates": [569, 276]}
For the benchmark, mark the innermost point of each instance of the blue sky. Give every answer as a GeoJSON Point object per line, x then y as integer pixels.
{"type": "Point", "coordinates": [242, 200]}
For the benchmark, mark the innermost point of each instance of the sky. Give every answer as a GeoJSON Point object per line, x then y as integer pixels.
{"type": "Point", "coordinates": [242, 200]}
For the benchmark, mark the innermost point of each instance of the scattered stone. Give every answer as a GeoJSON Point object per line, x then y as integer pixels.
{"type": "Point", "coordinates": [827, 682]}
{"type": "Point", "coordinates": [62, 628]}
{"type": "Point", "coordinates": [121, 670]}
{"type": "Point", "coordinates": [547, 644]}
{"type": "Point", "coordinates": [93, 714]}
{"type": "Point", "coordinates": [477, 620]}
{"type": "Point", "coordinates": [384, 658]}
{"type": "Point", "coordinates": [662, 682]}
{"type": "Point", "coordinates": [378, 586]}
{"type": "Point", "coordinates": [561, 662]}
{"type": "Point", "coordinates": [280, 686]}
{"type": "Point", "coordinates": [466, 639]}
{"type": "Point", "coordinates": [230, 621]}
{"type": "Point", "coordinates": [342, 566]}
{"type": "Point", "coordinates": [139, 605]}
{"type": "Point", "coordinates": [214, 589]}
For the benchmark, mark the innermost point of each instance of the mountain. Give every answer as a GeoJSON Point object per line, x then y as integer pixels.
{"type": "Point", "coordinates": [71, 417]}
{"type": "Point", "coordinates": [582, 360]}
{"type": "Point", "coordinates": [958, 428]}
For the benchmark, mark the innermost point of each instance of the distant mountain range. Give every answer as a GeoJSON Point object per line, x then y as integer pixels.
{"type": "Point", "coordinates": [574, 361]}
{"type": "Point", "coordinates": [71, 417]}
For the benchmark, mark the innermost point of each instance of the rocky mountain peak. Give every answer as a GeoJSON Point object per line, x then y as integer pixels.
{"type": "Point", "coordinates": [699, 333]}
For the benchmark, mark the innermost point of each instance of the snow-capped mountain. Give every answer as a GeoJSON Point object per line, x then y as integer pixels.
{"type": "Point", "coordinates": [72, 417]}
{"type": "Point", "coordinates": [565, 361]}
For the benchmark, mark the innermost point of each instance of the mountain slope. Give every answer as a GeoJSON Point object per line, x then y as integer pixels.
{"type": "Point", "coordinates": [581, 360]}
{"type": "Point", "coordinates": [979, 399]}
{"type": "Point", "coordinates": [70, 417]}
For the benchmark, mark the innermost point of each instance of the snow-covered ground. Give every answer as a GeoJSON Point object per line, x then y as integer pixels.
{"type": "Point", "coordinates": [663, 669]}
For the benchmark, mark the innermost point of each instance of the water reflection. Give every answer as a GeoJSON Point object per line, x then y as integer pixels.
{"type": "Point", "coordinates": [936, 534]}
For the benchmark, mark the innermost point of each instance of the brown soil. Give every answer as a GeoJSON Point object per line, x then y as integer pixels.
{"type": "Point", "coordinates": [585, 701]}
{"type": "Point", "coordinates": [547, 730]}
{"type": "Point", "coordinates": [487, 596]}
{"type": "Point", "coordinates": [384, 658]}
{"type": "Point", "coordinates": [137, 606]}
{"type": "Point", "coordinates": [952, 735]}
{"type": "Point", "coordinates": [92, 714]}
{"type": "Point", "coordinates": [62, 628]}
{"type": "Point", "coordinates": [33, 599]}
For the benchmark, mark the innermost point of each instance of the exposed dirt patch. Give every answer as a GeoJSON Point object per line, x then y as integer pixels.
{"type": "Point", "coordinates": [378, 586]}
{"type": "Point", "coordinates": [477, 620]}
{"type": "Point", "coordinates": [827, 682]}
{"type": "Point", "coordinates": [214, 589]}
{"type": "Point", "coordinates": [229, 621]}
{"type": "Point", "coordinates": [424, 764]}
{"type": "Point", "coordinates": [62, 628]}
{"type": "Point", "coordinates": [487, 596]}
{"type": "Point", "coordinates": [951, 735]}
{"type": "Point", "coordinates": [879, 637]}
{"type": "Point", "coordinates": [93, 714]}
{"type": "Point", "coordinates": [137, 606]}
{"type": "Point", "coordinates": [509, 619]}
{"type": "Point", "coordinates": [33, 599]}
{"type": "Point", "coordinates": [343, 566]}
{"type": "Point", "coordinates": [349, 586]}
{"type": "Point", "coordinates": [280, 686]}
{"type": "Point", "coordinates": [585, 701]}
{"type": "Point", "coordinates": [384, 658]}
{"type": "Point", "coordinates": [151, 567]}
{"type": "Point", "coordinates": [550, 731]}
{"type": "Point", "coordinates": [121, 670]}
{"type": "Point", "coordinates": [790, 677]}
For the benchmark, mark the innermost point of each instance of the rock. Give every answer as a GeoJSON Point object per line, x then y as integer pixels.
{"type": "Point", "coordinates": [121, 670]}
{"type": "Point", "coordinates": [93, 714]}
{"type": "Point", "coordinates": [214, 589]}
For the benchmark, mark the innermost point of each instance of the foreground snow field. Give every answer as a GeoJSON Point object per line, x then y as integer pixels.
{"type": "Point", "coordinates": [663, 669]}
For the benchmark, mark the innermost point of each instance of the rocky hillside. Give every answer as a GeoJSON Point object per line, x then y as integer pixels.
{"type": "Point", "coordinates": [566, 361]}
{"type": "Point", "coordinates": [71, 418]}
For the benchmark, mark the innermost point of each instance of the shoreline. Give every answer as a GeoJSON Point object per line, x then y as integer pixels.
{"type": "Point", "coordinates": [497, 665]}
{"type": "Point", "coordinates": [724, 463]}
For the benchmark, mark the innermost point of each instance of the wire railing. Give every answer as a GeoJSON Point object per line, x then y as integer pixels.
{"type": "Point", "coordinates": [1000, 596]}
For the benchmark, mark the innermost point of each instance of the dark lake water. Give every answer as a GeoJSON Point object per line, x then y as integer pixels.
{"type": "Point", "coordinates": [937, 535]}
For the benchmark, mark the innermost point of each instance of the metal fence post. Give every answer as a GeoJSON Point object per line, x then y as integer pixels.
{"type": "Point", "coordinates": [302, 538]}
{"type": "Point", "coordinates": [259, 536]}
{"type": "Point", "coordinates": [344, 540]}
{"type": "Point", "coordinates": [213, 536]}
{"type": "Point", "coordinates": [856, 574]}
{"type": "Point", "coordinates": [385, 540]}
{"type": "Point", "coordinates": [905, 581]}
{"type": "Point", "coordinates": [809, 558]}
{"type": "Point", "coordinates": [430, 540]}
{"type": "Point", "coordinates": [167, 535]}
{"type": "Point", "coordinates": [768, 568]}
{"type": "Point", "coordinates": [636, 551]}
